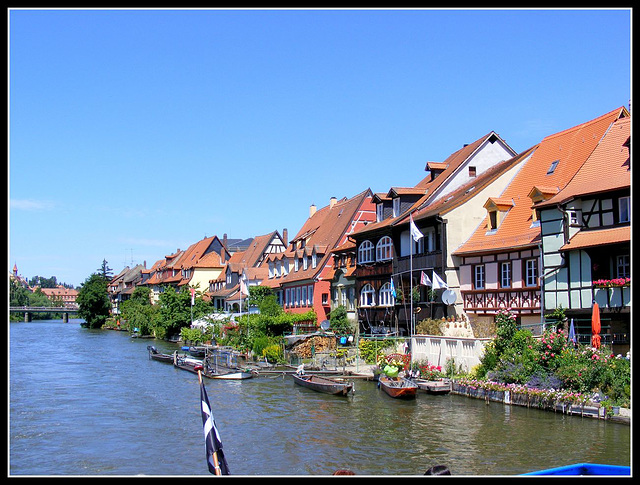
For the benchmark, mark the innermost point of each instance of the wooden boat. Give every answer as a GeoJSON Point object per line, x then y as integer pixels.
{"type": "Point", "coordinates": [585, 469]}
{"type": "Point", "coordinates": [434, 387]}
{"type": "Point", "coordinates": [398, 387]}
{"type": "Point", "coordinates": [155, 355]}
{"type": "Point", "coordinates": [186, 363]}
{"type": "Point", "coordinates": [323, 384]}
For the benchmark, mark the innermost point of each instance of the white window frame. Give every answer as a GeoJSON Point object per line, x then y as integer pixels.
{"type": "Point", "coordinates": [366, 252]}
{"type": "Point", "coordinates": [367, 296]}
{"type": "Point", "coordinates": [386, 297]}
{"type": "Point", "coordinates": [505, 274]}
{"type": "Point", "coordinates": [379, 212]}
{"type": "Point", "coordinates": [310, 295]}
{"type": "Point", "coordinates": [384, 249]}
{"type": "Point", "coordinates": [479, 277]}
{"type": "Point", "coordinates": [531, 272]}
{"type": "Point", "coordinates": [396, 206]}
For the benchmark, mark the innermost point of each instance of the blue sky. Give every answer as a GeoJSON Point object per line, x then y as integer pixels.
{"type": "Point", "coordinates": [136, 132]}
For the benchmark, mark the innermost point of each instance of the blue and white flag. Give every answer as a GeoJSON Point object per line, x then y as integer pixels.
{"type": "Point", "coordinates": [393, 288]}
{"type": "Point", "coordinates": [415, 232]}
{"type": "Point", "coordinates": [438, 282]}
{"type": "Point", "coordinates": [215, 456]}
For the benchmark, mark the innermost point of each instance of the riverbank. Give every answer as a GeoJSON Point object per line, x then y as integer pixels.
{"type": "Point", "coordinates": [543, 401]}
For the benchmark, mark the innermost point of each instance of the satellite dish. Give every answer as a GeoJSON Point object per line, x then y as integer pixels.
{"type": "Point", "coordinates": [449, 297]}
{"type": "Point", "coordinates": [325, 324]}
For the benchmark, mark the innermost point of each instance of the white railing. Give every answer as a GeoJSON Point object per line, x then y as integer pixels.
{"type": "Point", "coordinates": [465, 351]}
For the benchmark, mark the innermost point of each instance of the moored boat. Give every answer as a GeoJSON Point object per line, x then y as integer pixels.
{"type": "Point", "coordinates": [398, 387]}
{"type": "Point", "coordinates": [583, 469]}
{"type": "Point", "coordinates": [323, 384]}
{"type": "Point", "coordinates": [434, 387]}
{"type": "Point", "coordinates": [155, 355]}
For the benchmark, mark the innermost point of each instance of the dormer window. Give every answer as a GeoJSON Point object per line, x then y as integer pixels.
{"type": "Point", "coordinates": [497, 210]}
{"type": "Point", "coordinates": [379, 212]}
{"type": "Point", "coordinates": [396, 207]}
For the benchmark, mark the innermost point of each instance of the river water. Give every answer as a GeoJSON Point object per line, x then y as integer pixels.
{"type": "Point", "coordinates": [90, 402]}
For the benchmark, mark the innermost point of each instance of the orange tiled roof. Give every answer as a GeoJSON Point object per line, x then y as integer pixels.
{"type": "Point", "coordinates": [323, 231]}
{"type": "Point", "coordinates": [607, 168]}
{"type": "Point", "coordinates": [598, 237]}
{"type": "Point", "coordinates": [570, 149]}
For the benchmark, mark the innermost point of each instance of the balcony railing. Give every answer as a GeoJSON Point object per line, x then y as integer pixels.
{"type": "Point", "coordinates": [418, 262]}
{"type": "Point", "coordinates": [489, 301]}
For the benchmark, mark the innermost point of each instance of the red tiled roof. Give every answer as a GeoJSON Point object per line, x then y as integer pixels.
{"type": "Point", "coordinates": [323, 231]}
{"type": "Point", "coordinates": [570, 149]}
{"type": "Point", "coordinates": [598, 237]}
{"type": "Point", "coordinates": [607, 168]}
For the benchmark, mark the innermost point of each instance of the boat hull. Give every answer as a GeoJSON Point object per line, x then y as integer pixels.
{"type": "Point", "coordinates": [322, 384]}
{"type": "Point", "coordinates": [398, 387]}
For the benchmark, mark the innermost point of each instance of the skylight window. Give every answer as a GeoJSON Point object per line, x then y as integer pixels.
{"type": "Point", "coordinates": [553, 166]}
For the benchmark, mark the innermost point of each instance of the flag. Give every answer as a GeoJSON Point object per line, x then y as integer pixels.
{"type": "Point", "coordinates": [415, 232]}
{"type": "Point", "coordinates": [193, 296]}
{"type": "Point", "coordinates": [393, 288]}
{"type": "Point", "coordinates": [424, 279]}
{"type": "Point", "coordinates": [213, 445]}
{"type": "Point", "coordinates": [437, 282]}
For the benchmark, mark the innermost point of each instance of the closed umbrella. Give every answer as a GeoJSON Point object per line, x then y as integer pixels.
{"type": "Point", "coordinates": [572, 333]}
{"type": "Point", "coordinates": [595, 326]}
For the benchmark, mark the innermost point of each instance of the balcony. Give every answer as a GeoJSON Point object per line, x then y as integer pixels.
{"type": "Point", "coordinates": [521, 300]}
{"type": "Point", "coordinates": [419, 262]}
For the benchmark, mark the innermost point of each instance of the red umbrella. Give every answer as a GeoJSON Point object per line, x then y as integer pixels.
{"type": "Point", "coordinates": [595, 326]}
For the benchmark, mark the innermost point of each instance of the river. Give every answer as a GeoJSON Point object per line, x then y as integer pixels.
{"type": "Point", "coordinates": [90, 402]}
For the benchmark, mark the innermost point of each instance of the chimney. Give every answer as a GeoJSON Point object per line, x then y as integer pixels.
{"type": "Point", "coordinates": [285, 237]}
{"type": "Point", "coordinates": [332, 202]}
{"type": "Point", "coordinates": [312, 210]}
{"type": "Point", "coordinates": [223, 256]}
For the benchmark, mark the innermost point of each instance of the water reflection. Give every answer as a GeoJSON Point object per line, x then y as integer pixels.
{"type": "Point", "coordinates": [91, 402]}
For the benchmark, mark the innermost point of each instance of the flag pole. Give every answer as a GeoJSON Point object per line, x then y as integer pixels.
{"type": "Point", "coordinates": [216, 464]}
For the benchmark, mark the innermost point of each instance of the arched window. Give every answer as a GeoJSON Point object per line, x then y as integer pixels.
{"type": "Point", "coordinates": [365, 252]}
{"type": "Point", "coordinates": [384, 249]}
{"type": "Point", "coordinates": [367, 295]}
{"type": "Point", "coordinates": [386, 296]}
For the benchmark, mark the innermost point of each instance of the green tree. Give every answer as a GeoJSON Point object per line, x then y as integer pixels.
{"type": "Point", "coordinates": [138, 312]}
{"type": "Point", "coordinates": [105, 271]}
{"type": "Point", "coordinates": [93, 301]}
{"type": "Point", "coordinates": [18, 294]}
{"type": "Point", "coordinates": [339, 321]}
{"type": "Point", "coordinates": [175, 311]}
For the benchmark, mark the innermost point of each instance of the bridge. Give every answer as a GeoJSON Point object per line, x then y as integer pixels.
{"type": "Point", "coordinates": [29, 310]}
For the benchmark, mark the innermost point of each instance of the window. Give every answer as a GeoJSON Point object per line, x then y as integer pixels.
{"type": "Point", "coordinates": [624, 209]}
{"type": "Point", "coordinates": [285, 266]}
{"type": "Point", "coordinates": [296, 264]}
{"type": "Point", "coordinates": [314, 260]}
{"type": "Point", "coordinates": [384, 249]}
{"type": "Point", "coordinates": [553, 166]}
{"type": "Point", "coordinates": [505, 274]}
{"type": "Point", "coordinates": [365, 252]}
{"type": "Point", "coordinates": [622, 266]}
{"type": "Point", "coordinates": [386, 297]}
{"type": "Point", "coordinates": [297, 302]}
{"type": "Point", "coordinates": [396, 207]}
{"type": "Point", "coordinates": [493, 220]}
{"type": "Point", "coordinates": [310, 295]}
{"type": "Point", "coordinates": [367, 296]}
{"type": "Point", "coordinates": [379, 212]}
{"type": "Point", "coordinates": [479, 276]}
{"type": "Point", "coordinates": [472, 171]}
{"type": "Point", "coordinates": [305, 262]}
{"type": "Point", "coordinates": [270, 269]}
{"type": "Point", "coordinates": [325, 299]}
{"type": "Point", "coordinates": [288, 297]}
{"type": "Point", "coordinates": [531, 272]}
